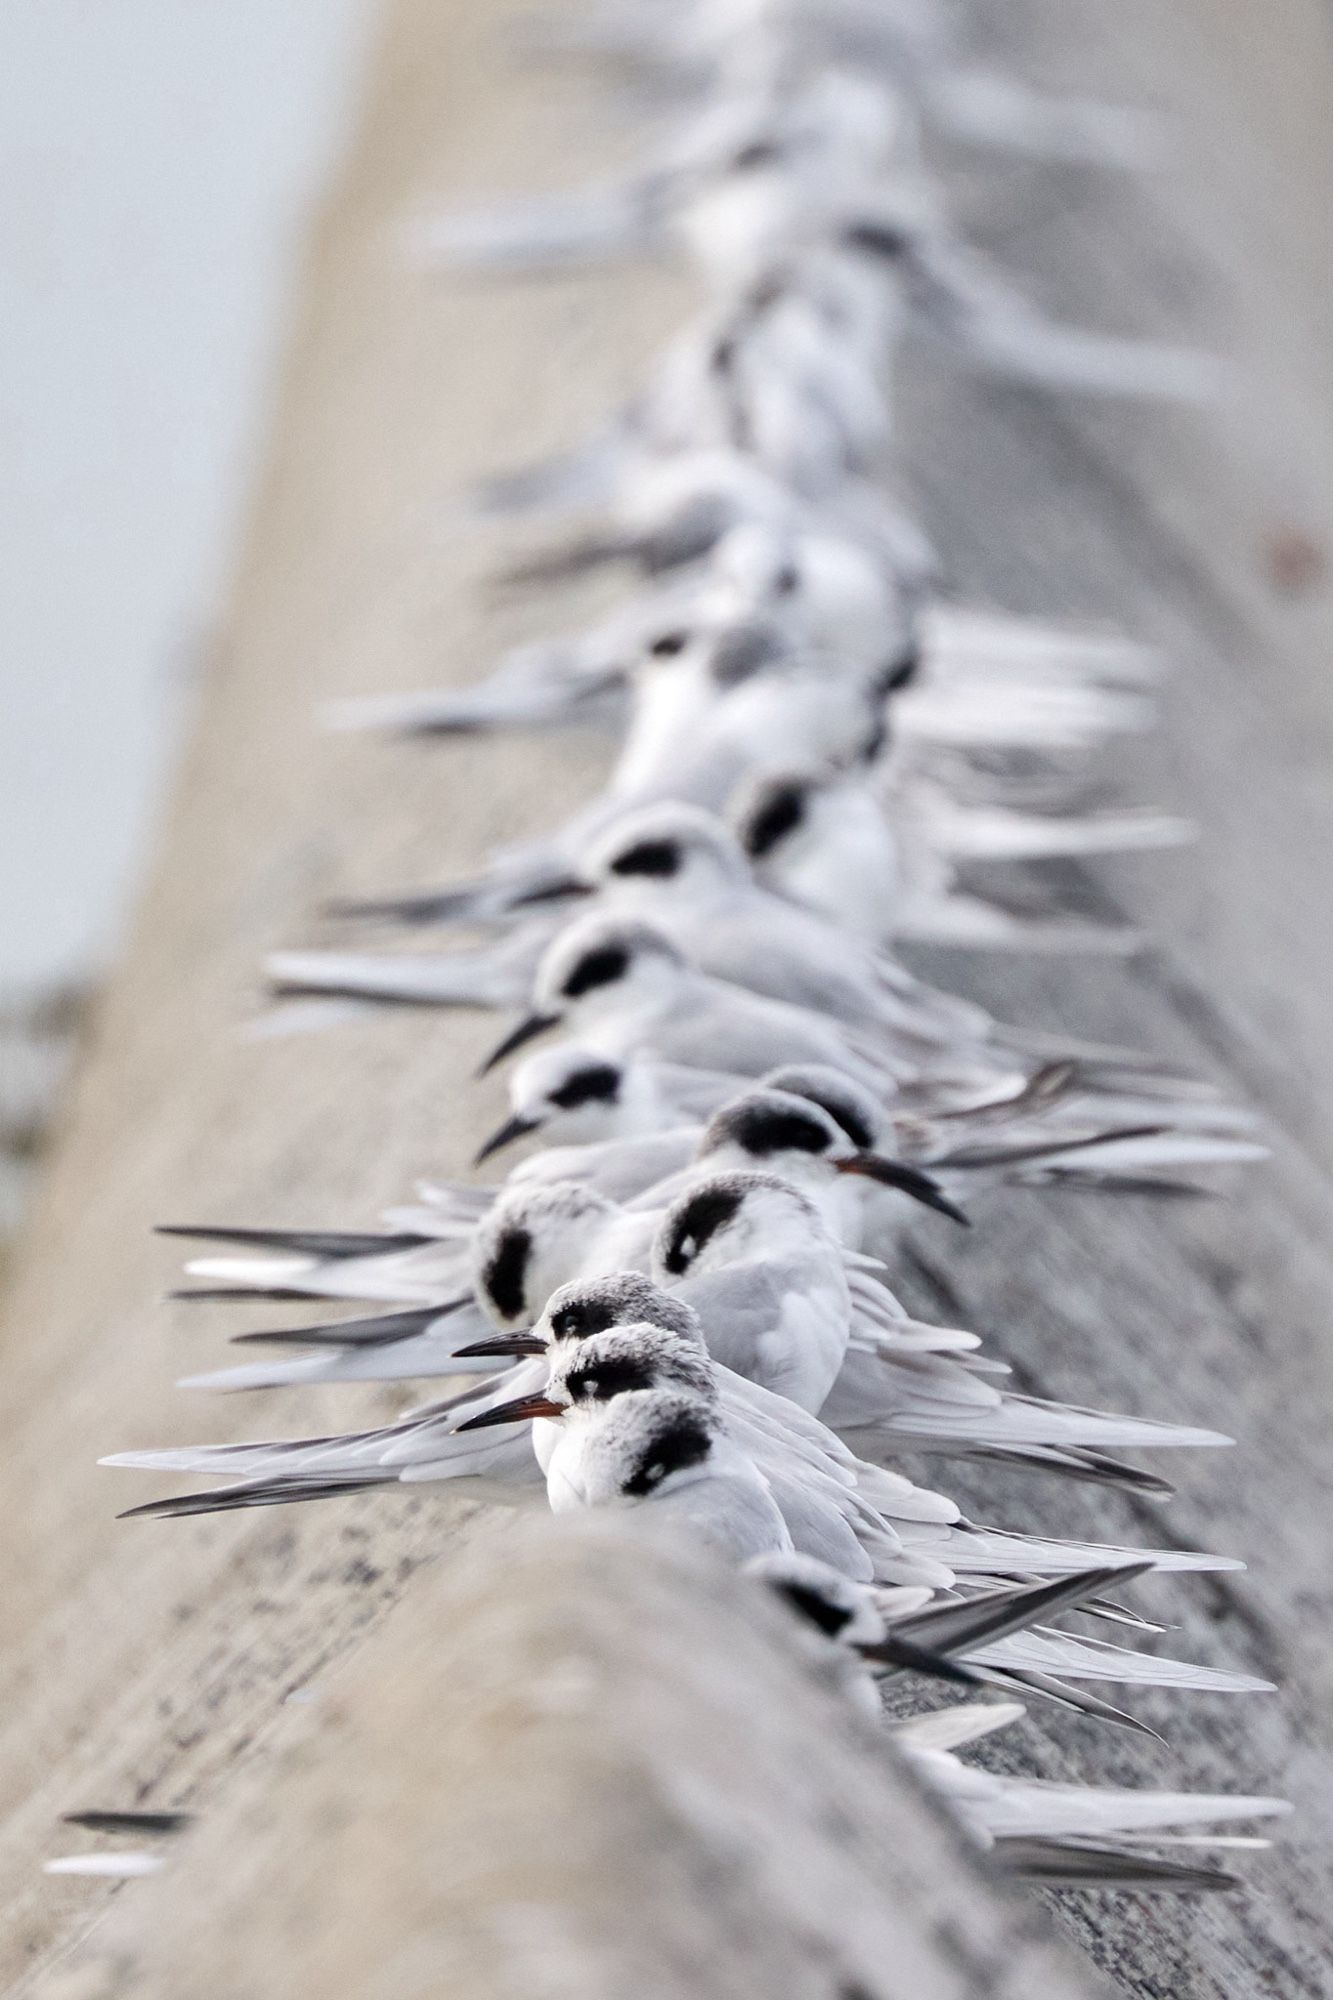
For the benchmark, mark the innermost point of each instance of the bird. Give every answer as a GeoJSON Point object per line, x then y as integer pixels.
{"type": "Point", "coordinates": [1037, 1829]}
{"type": "Point", "coordinates": [626, 988]}
{"type": "Point", "coordinates": [624, 1125]}
{"type": "Point", "coordinates": [1074, 1835]}
{"type": "Point", "coordinates": [770, 208]}
{"type": "Point", "coordinates": [779, 1300]}
{"type": "Point", "coordinates": [705, 715]}
{"type": "Point", "coordinates": [684, 871]}
{"type": "Point", "coordinates": [960, 677]}
{"type": "Point", "coordinates": [816, 1132]}
{"type": "Point", "coordinates": [886, 862]}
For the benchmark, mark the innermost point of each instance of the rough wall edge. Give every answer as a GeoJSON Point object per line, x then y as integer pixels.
{"type": "Point", "coordinates": [573, 1763]}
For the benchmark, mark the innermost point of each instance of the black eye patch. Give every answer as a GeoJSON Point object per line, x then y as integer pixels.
{"type": "Point", "coordinates": [763, 1129]}
{"type": "Point", "coordinates": [648, 857]}
{"type": "Point", "coordinates": [600, 1381]}
{"type": "Point", "coordinates": [589, 1316]}
{"type": "Point", "coordinates": [505, 1276]}
{"type": "Point", "coordinates": [826, 1617]}
{"type": "Point", "coordinates": [901, 671]}
{"type": "Point", "coordinates": [847, 1119]}
{"type": "Point", "coordinates": [761, 153]}
{"type": "Point", "coordinates": [786, 580]}
{"type": "Point", "coordinates": [668, 644]}
{"type": "Point", "coordinates": [877, 734]}
{"type": "Point", "coordinates": [690, 534]}
{"type": "Point", "coordinates": [698, 1221]}
{"type": "Point", "coordinates": [877, 239]}
{"type": "Point", "coordinates": [739, 655]}
{"type": "Point", "coordinates": [686, 1443]}
{"type": "Point", "coordinates": [596, 968]}
{"type": "Point", "coordinates": [600, 1083]}
{"type": "Point", "coordinates": [781, 813]}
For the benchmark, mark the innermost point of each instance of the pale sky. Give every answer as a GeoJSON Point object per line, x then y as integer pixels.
{"type": "Point", "coordinates": [157, 158]}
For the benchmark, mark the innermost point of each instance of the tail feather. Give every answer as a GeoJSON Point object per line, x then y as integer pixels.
{"type": "Point", "coordinates": [481, 978]}
{"type": "Point", "coordinates": [997, 835]}
{"type": "Point", "coordinates": [999, 643]}
{"type": "Point", "coordinates": [1076, 1658]}
{"type": "Point", "coordinates": [970, 923]}
{"type": "Point", "coordinates": [951, 1628]}
{"type": "Point", "coordinates": [1071, 1864]}
{"type": "Point", "coordinates": [1003, 1552]}
{"type": "Point", "coordinates": [259, 1493]}
{"type": "Point", "coordinates": [377, 1330]}
{"type": "Point", "coordinates": [1079, 1700]}
{"type": "Point", "coordinates": [98, 1820]}
{"type": "Point", "coordinates": [1032, 349]}
{"type": "Point", "coordinates": [304, 1242]}
{"type": "Point", "coordinates": [990, 110]}
{"type": "Point", "coordinates": [1065, 1811]}
{"type": "Point", "coordinates": [549, 232]}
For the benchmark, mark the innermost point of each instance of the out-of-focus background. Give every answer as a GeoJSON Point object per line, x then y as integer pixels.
{"type": "Point", "coordinates": [158, 162]}
{"type": "Point", "coordinates": [161, 161]}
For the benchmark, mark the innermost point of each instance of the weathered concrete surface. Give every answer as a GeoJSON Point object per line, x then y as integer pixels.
{"type": "Point", "coordinates": [620, 1773]}
{"type": "Point", "coordinates": [146, 1662]}
{"type": "Point", "coordinates": [1181, 527]}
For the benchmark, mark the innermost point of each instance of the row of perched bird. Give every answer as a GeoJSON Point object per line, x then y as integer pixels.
{"type": "Point", "coordinates": [682, 1302]}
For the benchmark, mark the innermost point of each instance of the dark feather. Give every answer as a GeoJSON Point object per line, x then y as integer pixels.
{"type": "Point", "coordinates": [379, 1330]}
{"type": "Point", "coordinates": [99, 1821]}
{"type": "Point", "coordinates": [258, 1493]}
{"type": "Point", "coordinates": [306, 1242]}
{"type": "Point", "coordinates": [953, 1628]}
{"type": "Point", "coordinates": [1076, 1864]}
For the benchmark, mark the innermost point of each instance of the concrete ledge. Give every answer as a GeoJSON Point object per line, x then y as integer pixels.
{"type": "Point", "coordinates": [575, 1765]}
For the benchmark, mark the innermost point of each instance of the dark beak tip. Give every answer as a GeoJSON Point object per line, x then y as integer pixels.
{"type": "Point", "coordinates": [504, 1345]}
{"type": "Point", "coordinates": [912, 1181]}
{"type": "Point", "coordinates": [504, 1135]}
{"type": "Point", "coordinates": [526, 1030]}
{"type": "Point", "coordinates": [523, 1410]}
{"type": "Point", "coordinates": [553, 892]}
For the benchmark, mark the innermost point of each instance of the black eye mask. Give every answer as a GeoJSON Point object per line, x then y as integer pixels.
{"type": "Point", "coordinates": [762, 1129]}
{"type": "Point", "coordinates": [848, 1121]}
{"type": "Point", "coordinates": [600, 1083]}
{"type": "Point", "coordinates": [588, 1316]}
{"type": "Point", "coordinates": [761, 153]}
{"type": "Point", "coordinates": [597, 968]}
{"type": "Point", "coordinates": [697, 1222]}
{"type": "Point", "coordinates": [504, 1279]}
{"type": "Point", "coordinates": [686, 1444]}
{"type": "Point", "coordinates": [600, 1381]}
{"type": "Point", "coordinates": [740, 655]}
{"type": "Point", "coordinates": [818, 1611]}
{"type": "Point", "coordinates": [781, 813]}
{"type": "Point", "coordinates": [878, 239]}
{"type": "Point", "coordinates": [648, 857]}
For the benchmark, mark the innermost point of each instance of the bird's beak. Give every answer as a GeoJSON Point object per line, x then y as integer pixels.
{"type": "Point", "coordinates": [531, 1026]}
{"type": "Point", "coordinates": [908, 1180]}
{"type": "Point", "coordinates": [902, 1656]}
{"type": "Point", "coordinates": [505, 1135]}
{"type": "Point", "coordinates": [520, 1411]}
{"type": "Point", "coordinates": [502, 1343]}
{"type": "Point", "coordinates": [563, 887]}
